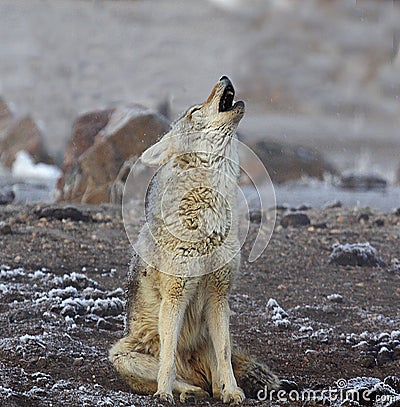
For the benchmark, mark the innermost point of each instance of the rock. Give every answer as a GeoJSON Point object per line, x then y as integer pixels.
{"type": "Point", "coordinates": [333, 205]}
{"type": "Point", "coordinates": [321, 225]}
{"type": "Point", "coordinates": [5, 229]}
{"type": "Point", "coordinates": [286, 163]}
{"type": "Point", "coordinates": [24, 135]}
{"type": "Point", "coordinates": [6, 118]}
{"type": "Point", "coordinates": [360, 182]}
{"type": "Point", "coordinates": [335, 298]}
{"type": "Point", "coordinates": [358, 254]}
{"type": "Point", "coordinates": [393, 382]}
{"type": "Point", "coordinates": [128, 132]}
{"type": "Point", "coordinates": [60, 213]}
{"type": "Point", "coordinates": [84, 132]}
{"type": "Point", "coordinates": [295, 220]}
{"type": "Point", "coordinates": [255, 216]}
{"type": "Point", "coordinates": [384, 356]}
{"type": "Point", "coordinates": [379, 222]}
{"type": "Point", "coordinates": [288, 385]}
{"type": "Point", "coordinates": [117, 188]}
{"type": "Point", "coordinates": [7, 196]}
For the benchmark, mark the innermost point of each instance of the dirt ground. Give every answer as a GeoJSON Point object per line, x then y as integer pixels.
{"type": "Point", "coordinates": [313, 321]}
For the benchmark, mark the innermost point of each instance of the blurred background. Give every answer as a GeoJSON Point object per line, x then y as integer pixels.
{"type": "Point", "coordinates": [320, 78]}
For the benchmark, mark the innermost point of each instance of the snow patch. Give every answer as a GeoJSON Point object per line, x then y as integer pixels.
{"type": "Point", "coordinates": [25, 167]}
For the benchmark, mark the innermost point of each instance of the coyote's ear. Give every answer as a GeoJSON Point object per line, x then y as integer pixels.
{"type": "Point", "coordinates": [158, 153]}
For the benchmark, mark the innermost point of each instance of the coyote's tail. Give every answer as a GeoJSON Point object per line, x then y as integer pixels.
{"type": "Point", "coordinates": [252, 376]}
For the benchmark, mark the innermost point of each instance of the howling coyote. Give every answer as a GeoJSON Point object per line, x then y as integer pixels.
{"type": "Point", "coordinates": [177, 338]}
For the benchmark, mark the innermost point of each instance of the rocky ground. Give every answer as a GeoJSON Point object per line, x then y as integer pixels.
{"type": "Point", "coordinates": [313, 320]}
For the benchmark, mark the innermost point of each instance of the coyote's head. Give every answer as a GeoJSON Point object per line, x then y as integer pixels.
{"type": "Point", "coordinates": [206, 127]}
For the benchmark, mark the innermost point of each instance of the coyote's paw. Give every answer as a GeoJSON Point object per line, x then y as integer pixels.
{"type": "Point", "coordinates": [168, 397]}
{"type": "Point", "coordinates": [193, 394]}
{"type": "Point", "coordinates": [234, 396]}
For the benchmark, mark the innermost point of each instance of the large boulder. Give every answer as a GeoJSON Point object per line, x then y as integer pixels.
{"type": "Point", "coordinates": [84, 131]}
{"type": "Point", "coordinates": [287, 163]}
{"type": "Point", "coordinates": [20, 134]}
{"type": "Point", "coordinates": [93, 161]}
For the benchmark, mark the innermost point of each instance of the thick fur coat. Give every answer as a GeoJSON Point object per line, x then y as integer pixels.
{"type": "Point", "coordinates": [187, 255]}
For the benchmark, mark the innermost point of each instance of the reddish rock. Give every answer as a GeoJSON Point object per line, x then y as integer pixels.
{"type": "Point", "coordinates": [23, 134]}
{"type": "Point", "coordinates": [129, 131]}
{"type": "Point", "coordinates": [84, 131]}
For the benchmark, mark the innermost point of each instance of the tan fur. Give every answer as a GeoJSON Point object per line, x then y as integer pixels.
{"type": "Point", "coordinates": [177, 338]}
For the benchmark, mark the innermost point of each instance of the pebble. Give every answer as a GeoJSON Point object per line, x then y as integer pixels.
{"type": "Point", "coordinates": [393, 382]}
{"type": "Point", "coordinates": [41, 363]}
{"type": "Point", "coordinates": [17, 259]}
{"type": "Point", "coordinates": [295, 220]}
{"type": "Point", "coordinates": [5, 229]}
{"type": "Point", "coordinates": [312, 353]}
{"type": "Point", "coordinates": [255, 216]}
{"type": "Point", "coordinates": [379, 222]}
{"type": "Point", "coordinates": [6, 197]}
{"type": "Point", "coordinates": [384, 355]}
{"type": "Point", "coordinates": [335, 298]}
{"type": "Point", "coordinates": [78, 361]}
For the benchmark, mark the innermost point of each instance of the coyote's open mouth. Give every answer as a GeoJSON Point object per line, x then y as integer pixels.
{"type": "Point", "coordinates": [226, 101]}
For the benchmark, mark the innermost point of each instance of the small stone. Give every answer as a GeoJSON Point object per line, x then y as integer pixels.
{"type": "Point", "coordinates": [41, 363]}
{"type": "Point", "coordinates": [311, 353]}
{"type": "Point", "coordinates": [397, 212]}
{"type": "Point", "coordinates": [396, 353]}
{"type": "Point", "coordinates": [363, 345]}
{"type": "Point", "coordinates": [379, 222]}
{"type": "Point", "coordinates": [289, 385]}
{"type": "Point", "coordinates": [369, 361]}
{"type": "Point", "coordinates": [335, 298]}
{"type": "Point", "coordinates": [333, 205]}
{"type": "Point", "coordinates": [393, 382]}
{"type": "Point", "coordinates": [295, 220]}
{"type": "Point", "coordinates": [328, 309]}
{"type": "Point", "coordinates": [384, 356]}
{"type": "Point", "coordinates": [7, 197]}
{"type": "Point", "coordinates": [322, 225]}
{"type": "Point", "coordinates": [383, 337]}
{"type": "Point", "coordinates": [255, 216]}
{"type": "Point", "coordinates": [363, 218]}
{"type": "Point", "coordinates": [5, 229]}
{"type": "Point", "coordinates": [395, 335]}
{"type": "Point", "coordinates": [78, 361]}
{"type": "Point", "coordinates": [17, 259]}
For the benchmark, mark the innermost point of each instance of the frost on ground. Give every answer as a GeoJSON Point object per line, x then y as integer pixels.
{"type": "Point", "coordinates": [323, 322]}
{"type": "Point", "coordinates": [54, 309]}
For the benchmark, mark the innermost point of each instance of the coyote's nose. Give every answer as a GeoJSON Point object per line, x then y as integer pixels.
{"type": "Point", "coordinates": [224, 78]}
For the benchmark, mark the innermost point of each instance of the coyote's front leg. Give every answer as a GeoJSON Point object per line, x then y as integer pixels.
{"type": "Point", "coordinates": [172, 311]}
{"type": "Point", "coordinates": [218, 324]}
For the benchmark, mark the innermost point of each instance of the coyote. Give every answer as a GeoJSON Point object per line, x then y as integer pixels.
{"type": "Point", "coordinates": [187, 254]}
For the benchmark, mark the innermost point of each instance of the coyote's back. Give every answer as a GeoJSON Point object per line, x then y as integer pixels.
{"type": "Point", "coordinates": [177, 338]}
